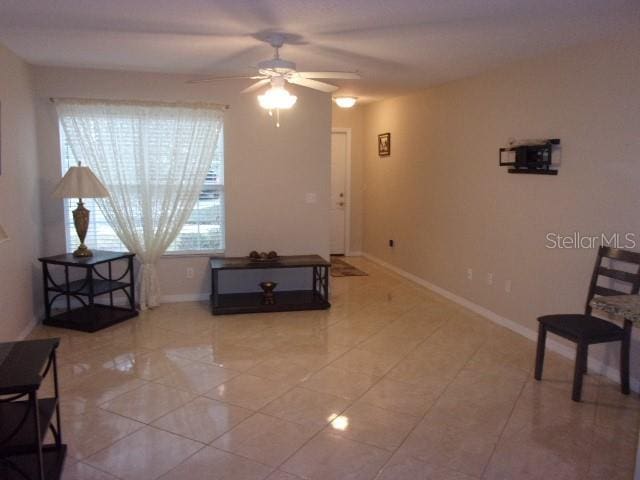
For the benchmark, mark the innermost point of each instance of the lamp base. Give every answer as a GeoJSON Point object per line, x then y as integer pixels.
{"type": "Point", "coordinates": [81, 222]}
{"type": "Point", "coordinates": [82, 251]}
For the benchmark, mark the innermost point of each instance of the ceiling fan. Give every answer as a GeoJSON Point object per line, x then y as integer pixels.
{"type": "Point", "coordinates": [278, 71]}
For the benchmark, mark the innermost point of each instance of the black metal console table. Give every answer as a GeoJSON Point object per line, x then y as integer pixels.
{"type": "Point", "coordinates": [90, 316]}
{"type": "Point", "coordinates": [25, 418]}
{"type": "Point", "coordinates": [287, 300]}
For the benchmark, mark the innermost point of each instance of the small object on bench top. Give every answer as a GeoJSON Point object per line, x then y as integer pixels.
{"type": "Point", "coordinates": [263, 256]}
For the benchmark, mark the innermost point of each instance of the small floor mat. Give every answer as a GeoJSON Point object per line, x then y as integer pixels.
{"type": "Point", "coordinates": [340, 268]}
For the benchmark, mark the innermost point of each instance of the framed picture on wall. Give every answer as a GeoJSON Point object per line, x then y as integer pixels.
{"type": "Point", "coordinates": [384, 144]}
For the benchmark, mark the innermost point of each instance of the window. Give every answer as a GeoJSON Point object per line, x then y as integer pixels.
{"type": "Point", "coordinates": [203, 232]}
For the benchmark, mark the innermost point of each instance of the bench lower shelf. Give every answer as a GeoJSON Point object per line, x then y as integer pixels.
{"type": "Point", "coordinates": [251, 302]}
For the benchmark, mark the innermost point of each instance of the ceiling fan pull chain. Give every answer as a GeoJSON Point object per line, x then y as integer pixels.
{"type": "Point", "coordinates": [277, 118]}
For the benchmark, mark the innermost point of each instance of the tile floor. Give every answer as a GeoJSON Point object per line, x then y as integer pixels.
{"type": "Point", "coordinates": [393, 382]}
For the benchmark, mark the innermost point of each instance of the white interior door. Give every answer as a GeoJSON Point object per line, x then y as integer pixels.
{"type": "Point", "coordinates": [339, 149]}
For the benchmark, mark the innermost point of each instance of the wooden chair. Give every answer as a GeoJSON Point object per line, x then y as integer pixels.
{"type": "Point", "coordinates": [584, 329]}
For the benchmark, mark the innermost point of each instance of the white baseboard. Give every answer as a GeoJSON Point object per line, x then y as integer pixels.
{"type": "Point", "coordinates": [568, 352]}
{"type": "Point", "coordinates": [186, 297]}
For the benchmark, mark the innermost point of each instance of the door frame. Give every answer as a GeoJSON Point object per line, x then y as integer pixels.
{"type": "Point", "coordinates": [347, 189]}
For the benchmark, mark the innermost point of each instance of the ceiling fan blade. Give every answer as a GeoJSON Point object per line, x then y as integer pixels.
{"type": "Point", "coordinates": [314, 84]}
{"type": "Point", "coordinates": [236, 61]}
{"type": "Point", "coordinates": [352, 57]}
{"type": "Point", "coordinates": [337, 75]}
{"type": "Point", "coordinates": [219, 79]}
{"type": "Point", "coordinates": [256, 85]}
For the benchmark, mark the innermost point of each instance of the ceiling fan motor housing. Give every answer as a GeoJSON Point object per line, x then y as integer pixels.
{"type": "Point", "coordinates": [276, 65]}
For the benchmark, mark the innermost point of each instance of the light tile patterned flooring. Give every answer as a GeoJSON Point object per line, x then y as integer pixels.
{"type": "Point", "coordinates": [393, 382]}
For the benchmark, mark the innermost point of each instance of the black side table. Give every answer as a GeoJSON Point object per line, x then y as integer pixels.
{"type": "Point", "coordinates": [91, 316]}
{"type": "Point", "coordinates": [25, 418]}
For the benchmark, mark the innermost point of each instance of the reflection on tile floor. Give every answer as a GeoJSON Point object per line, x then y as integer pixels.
{"type": "Point", "coordinates": [393, 382]}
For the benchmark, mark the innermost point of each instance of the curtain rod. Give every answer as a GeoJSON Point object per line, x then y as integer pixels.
{"type": "Point", "coordinates": [224, 106]}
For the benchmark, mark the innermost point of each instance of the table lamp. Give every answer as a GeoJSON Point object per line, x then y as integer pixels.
{"type": "Point", "coordinates": [3, 235]}
{"type": "Point", "coordinates": [80, 182]}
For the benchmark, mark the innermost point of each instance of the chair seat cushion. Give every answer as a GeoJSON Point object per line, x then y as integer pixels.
{"type": "Point", "coordinates": [582, 327]}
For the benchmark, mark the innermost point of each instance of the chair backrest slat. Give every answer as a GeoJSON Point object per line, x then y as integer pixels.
{"type": "Point", "coordinates": [620, 254]}
{"type": "Point", "coordinates": [617, 274]}
{"type": "Point", "coordinates": [631, 279]}
{"type": "Point", "coordinates": [607, 292]}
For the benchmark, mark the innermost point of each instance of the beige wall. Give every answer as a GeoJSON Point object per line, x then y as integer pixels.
{"type": "Point", "coordinates": [353, 119]}
{"type": "Point", "coordinates": [449, 207]}
{"type": "Point", "coordinates": [19, 200]}
{"type": "Point", "coordinates": [268, 171]}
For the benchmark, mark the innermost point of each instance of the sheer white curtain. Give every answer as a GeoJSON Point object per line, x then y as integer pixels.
{"type": "Point", "coordinates": [153, 158]}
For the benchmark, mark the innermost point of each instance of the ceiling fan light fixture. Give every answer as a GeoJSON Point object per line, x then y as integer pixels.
{"type": "Point", "coordinates": [345, 102]}
{"type": "Point", "coordinates": [277, 98]}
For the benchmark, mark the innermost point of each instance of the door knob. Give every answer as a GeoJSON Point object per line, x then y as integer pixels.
{"type": "Point", "coordinates": [341, 204]}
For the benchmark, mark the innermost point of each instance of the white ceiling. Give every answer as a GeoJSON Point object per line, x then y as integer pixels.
{"type": "Point", "coordinates": [397, 45]}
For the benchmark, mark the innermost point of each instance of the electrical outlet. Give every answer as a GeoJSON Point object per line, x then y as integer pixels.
{"type": "Point", "coordinates": [469, 274]}
{"type": "Point", "coordinates": [489, 278]}
{"type": "Point", "coordinates": [507, 286]}
{"type": "Point", "coordinates": [189, 272]}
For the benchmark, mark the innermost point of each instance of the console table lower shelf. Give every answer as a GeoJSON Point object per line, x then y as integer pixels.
{"type": "Point", "coordinates": [251, 302]}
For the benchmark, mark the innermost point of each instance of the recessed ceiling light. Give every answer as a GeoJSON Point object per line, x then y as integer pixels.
{"type": "Point", "coordinates": [346, 102]}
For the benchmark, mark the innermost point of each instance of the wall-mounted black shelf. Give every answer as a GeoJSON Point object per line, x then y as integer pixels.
{"type": "Point", "coordinates": [530, 158]}
{"type": "Point", "coordinates": [533, 171]}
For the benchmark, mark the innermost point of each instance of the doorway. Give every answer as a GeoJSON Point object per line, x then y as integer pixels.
{"type": "Point", "coordinates": [340, 191]}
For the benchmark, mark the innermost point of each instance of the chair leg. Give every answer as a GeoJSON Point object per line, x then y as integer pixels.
{"type": "Point", "coordinates": [624, 357]}
{"type": "Point", "coordinates": [581, 361]}
{"type": "Point", "coordinates": [585, 364]}
{"type": "Point", "coordinates": [542, 338]}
